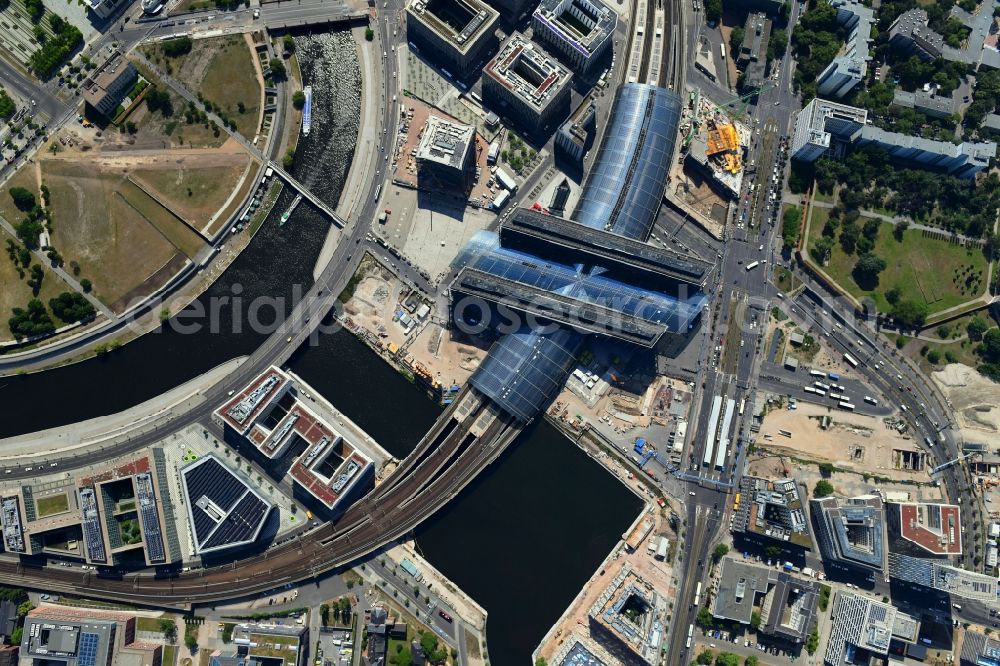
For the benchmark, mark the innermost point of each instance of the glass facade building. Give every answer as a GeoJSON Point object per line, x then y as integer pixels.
{"type": "Point", "coordinates": [625, 187]}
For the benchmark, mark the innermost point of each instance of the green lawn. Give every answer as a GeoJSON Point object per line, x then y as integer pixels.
{"type": "Point", "coordinates": [169, 655]}
{"type": "Point", "coordinates": [51, 505]}
{"type": "Point", "coordinates": [934, 271]}
{"type": "Point", "coordinates": [148, 624]}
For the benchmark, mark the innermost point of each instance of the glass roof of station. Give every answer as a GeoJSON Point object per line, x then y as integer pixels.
{"type": "Point", "coordinates": [524, 370]}
{"type": "Point", "coordinates": [625, 187]}
{"type": "Point", "coordinates": [483, 253]}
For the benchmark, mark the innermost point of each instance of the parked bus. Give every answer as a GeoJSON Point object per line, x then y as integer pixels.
{"type": "Point", "coordinates": [820, 391]}
{"type": "Point", "coordinates": [850, 359]}
{"type": "Point", "coordinates": [786, 433]}
{"type": "Point", "coordinates": [752, 266]}
{"type": "Point", "coordinates": [870, 400]}
{"type": "Point", "coordinates": [822, 386]}
{"type": "Point", "coordinates": [809, 389]}
{"type": "Point", "coordinates": [834, 376]}
{"type": "Point", "coordinates": [817, 373]}
{"type": "Point", "coordinates": [722, 49]}
{"type": "Point", "coordinates": [846, 405]}
{"type": "Point", "coordinates": [836, 396]}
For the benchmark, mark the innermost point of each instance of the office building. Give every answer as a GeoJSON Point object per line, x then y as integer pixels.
{"type": "Point", "coordinates": [224, 511]}
{"type": "Point", "coordinates": [862, 628]}
{"type": "Point", "coordinates": [270, 644]}
{"type": "Point", "coordinates": [629, 618]}
{"type": "Point", "coordinates": [924, 530]}
{"type": "Point", "coordinates": [910, 33]}
{"type": "Point", "coordinates": [103, 8]}
{"type": "Point", "coordinates": [446, 156]}
{"type": "Point", "coordinates": [848, 69]}
{"type": "Point", "coordinates": [752, 56]}
{"type": "Point", "coordinates": [527, 84]}
{"type": "Point", "coordinates": [979, 650]}
{"type": "Point", "coordinates": [822, 123]}
{"type": "Point", "coordinates": [926, 102]}
{"type": "Point", "coordinates": [938, 575]}
{"type": "Point", "coordinates": [457, 34]}
{"type": "Point", "coordinates": [333, 464]}
{"type": "Point", "coordinates": [772, 510]}
{"type": "Point", "coordinates": [851, 531]}
{"type": "Point", "coordinates": [823, 126]}
{"type": "Point", "coordinates": [964, 160]}
{"type": "Point", "coordinates": [69, 636]}
{"type": "Point", "coordinates": [787, 604]}
{"type": "Point", "coordinates": [576, 136]}
{"type": "Point", "coordinates": [105, 88]}
{"type": "Point", "coordinates": [581, 32]}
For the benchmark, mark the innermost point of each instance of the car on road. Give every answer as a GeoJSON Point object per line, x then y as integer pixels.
{"type": "Point", "coordinates": [444, 616]}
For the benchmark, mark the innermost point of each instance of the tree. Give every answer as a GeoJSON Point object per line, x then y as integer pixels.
{"type": "Point", "coordinates": [36, 10]}
{"type": "Point", "coordinates": [705, 619]}
{"type": "Point", "coordinates": [289, 43]}
{"type": "Point", "coordinates": [778, 44]}
{"type": "Point", "coordinates": [131, 127]}
{"type": "Point", "coordinates": [71, 307]}
{"type": "Point", "coordinates": [823, 489]}
{"type": "Point", "coordinates": [826, 469]}
{"type": "Point", "coordinates": [713, 10]}
{"type": "Point", "coordinates": [934, 356]}
{"type": "Point", "coordinates": [402, 657]}
{"type": "Point", "coordinates": [190, 642]}
{"type": "Point", "coordinates": [977, 328]}
{"type": "Point", "coordinates": [173, 48]}
{"type": "Point", "coordinates": [813, 642]}
{"type": "Point", "coordinates": [541, 662]}
{"type": "Point", "coordinates": [900, 229]}
{"type": "Point", "coordinates": [736, 39]}
{"type": "Point", "coordinates": [16, 636]}
{"type": "Point", "coordinates": [23, 199]}
{"type": "Point", "coordinates": [821, 249]}
{"type": "Point", "coordinates": [750, 661]}
{"type": "Point", "coordinates": [159, 100]}
{"type": "Point", "coordinates": [790, 222]}
{"type": "Point", "coordinates": [87, 285]}
{"type": "Point", "coordinates": [705, 657]}
{"type": "Point", "coordinates": [277, 69]}
{"type": "Point", "coordinates": [719, 552]}
{"type": "Point", "coordinates": [169, 629]}
{"type": "Point", "coordinates": [866, 270]}
{"type": "Point", "coordinates": [31, 321]}
{"type": "Point", "coordinates": [755, 620]}
{"type": "Point", "coordinates": [7, 106]}
{"type": "Point", "coordinates": [727, 659]}
{"type": "Point", "coordinates": [299, 99]}
{"type": "Point", "coordinates": [369, 34]}
{"type": "Point", "coordinates": [909, 313]}
{"type": "Point", "coordinates": [24, 608]}
{"type": "Point", "coordinates": [893, 295]}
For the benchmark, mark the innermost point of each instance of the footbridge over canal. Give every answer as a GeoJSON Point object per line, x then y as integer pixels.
{"type": "Point", "coordinates": [304, 191]}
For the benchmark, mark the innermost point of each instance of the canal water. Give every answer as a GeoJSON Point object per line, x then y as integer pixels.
{"type": "Point", "coordinates": [521, 539]}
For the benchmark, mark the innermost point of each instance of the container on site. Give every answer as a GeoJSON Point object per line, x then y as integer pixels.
{"type": "Point", "coordinates": [661, 550]}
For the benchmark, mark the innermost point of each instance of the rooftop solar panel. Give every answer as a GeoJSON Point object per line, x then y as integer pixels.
{"type": "Point", "coordinates": [223, 509]}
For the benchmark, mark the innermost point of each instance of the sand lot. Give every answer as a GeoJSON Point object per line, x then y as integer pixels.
{"type": "Point", "coordinates": [976, 402]}
{"type": "Point", "coordinates": [853, 441]}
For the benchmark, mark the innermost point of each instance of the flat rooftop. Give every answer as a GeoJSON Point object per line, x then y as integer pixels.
{"type": "Point", "coordinates": [771, 508]}
{"type": "Point", "coordinates": [223, 509]}
{"type": "Point", "coordinates": [242, 409]}
{"type": "Point", "coordinates": [530, 72]}
{"type": "Point", "coordinates": [630, 610]}
{"type": "Point", "coordinates": [603, 246]}
{"type": "Point", "coordinates": [852, 530]}
{"type": "Point", "coordinates": [445, 142]}
{"type": "Point", "coordinates": [583, 24]}
{"type": "Point", "coordinates": [739, 585]}
{"type": "Point", "coordinates": [460, 22]}
{"type": "Point", "coordinates": [936, 528]}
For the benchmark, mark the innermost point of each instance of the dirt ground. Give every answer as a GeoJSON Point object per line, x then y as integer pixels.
{"type": "Point", "coordinates": [976, 402]}
{"type": "Point", "coordinates": [853, 441]}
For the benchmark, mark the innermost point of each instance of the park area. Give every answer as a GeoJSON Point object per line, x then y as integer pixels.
{"type": "Point", "coordinates": [126, 242]}
{"type": "Point", "coordinates": [919, 266]}
{"type": "Point", "coordinates": [222, 71]}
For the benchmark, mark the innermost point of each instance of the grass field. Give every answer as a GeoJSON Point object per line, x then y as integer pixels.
{"type": "Point", "coordinates": [222, 70]}
{"type": "Point", "coordinates": [155, 129]}
{"type": "Point", "coordinates": [51, 505]}
{"type": "Point", "coordinates": [115, 246]}
{"type": "Point", "coordinates": [14, 291]}
{"type": "Point", "coordinates": [25, 177]}
{"type": "Point", "coordinates": [209, 188]}
{"type": "Point", "coordinates": [924, 269]}
{"type": "Point", "coordinates": [169, 656]}
{"type": "Point", "coordinates": [172, 227]}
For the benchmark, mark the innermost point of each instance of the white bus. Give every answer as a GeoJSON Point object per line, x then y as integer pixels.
{"type": "Point", "coordinates": [835, 396]}
{"type": "Point", "coordinates": [820, 392]}
{"type": "Point", "coordinates": [870, 400]}
{"type": "Point", "coordinates": [697, 594]}
{"type": "Point", "coordinates": [850, 359]}
{"type": "Point", "coordinates": [690, 635]}
{"type": "Point", "coordinates": [817, 373]}
{"type": "Point", "coordinates": [808, 389]}
{"type": "Point", "coordinates": [821, 385]}
{"type": "Point", "coordinates": [752, 265]}
{"type": "Point", "coordinates": [722, 49]}
{"type": "Point", "coordinates": [846, 405]}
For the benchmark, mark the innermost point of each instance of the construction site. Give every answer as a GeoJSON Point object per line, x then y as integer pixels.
{"type": "Point", "coordinates": [709, 174]}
